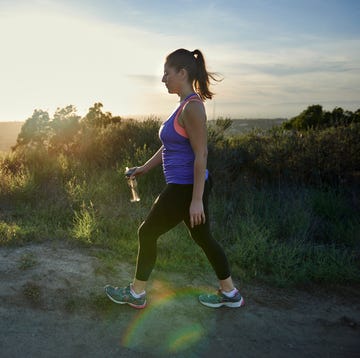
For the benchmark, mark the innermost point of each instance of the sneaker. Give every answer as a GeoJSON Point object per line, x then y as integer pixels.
{"type": "Point", "coordinates": [124, 296]}
{"type": "Point", "coordinates": [219, 299]}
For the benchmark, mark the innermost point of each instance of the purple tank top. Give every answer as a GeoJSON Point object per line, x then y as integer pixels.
{"type": "Point", "coordinates": [177, 156]}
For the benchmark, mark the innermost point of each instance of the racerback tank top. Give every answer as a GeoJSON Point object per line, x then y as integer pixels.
{"type": "Point", "coordinates": [177, 156]}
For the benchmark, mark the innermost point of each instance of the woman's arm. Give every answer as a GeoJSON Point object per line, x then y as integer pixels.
{"type": "Point", "coordinates": [194, 119]}
{"type": "Point", "coordinates": [153, 162]}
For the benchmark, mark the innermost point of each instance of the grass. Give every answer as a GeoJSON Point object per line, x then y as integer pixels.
{"type": "Point", "coordinates": [275, 236]}
{"type": "Point", "coordinates": [284, 235]}
{"type": "Point", "coordinates": [27, 261]}
{"type": "Point", "coordinates": [178, 253]}
{"type": "Point", "coordinates": [32, 292]}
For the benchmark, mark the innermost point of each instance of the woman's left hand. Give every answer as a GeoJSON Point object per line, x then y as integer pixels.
{"type": "Point", "coordinates": [197, 215]}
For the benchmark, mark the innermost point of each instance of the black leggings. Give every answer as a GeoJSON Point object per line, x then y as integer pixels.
{"type": "Point", "coordinates": [169, 209]}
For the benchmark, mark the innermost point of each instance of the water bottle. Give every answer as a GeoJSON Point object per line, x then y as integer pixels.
{"type": "Point", "coordinates": [132, 184]}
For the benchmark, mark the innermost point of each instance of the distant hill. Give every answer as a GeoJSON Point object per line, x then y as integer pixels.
{"type": "Point", "coordinates": [8, 134]}
{"type": "Point", "coordinates": [239, 126]}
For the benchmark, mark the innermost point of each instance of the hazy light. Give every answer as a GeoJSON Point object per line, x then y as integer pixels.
{"type": "Point", "coordinates": [59, 53]}
{"type": "Point", "coordinates": [51, 60]}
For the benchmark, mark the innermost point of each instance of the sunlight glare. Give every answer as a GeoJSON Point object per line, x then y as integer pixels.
{"type": "Point", "coordinates": [50, 60]}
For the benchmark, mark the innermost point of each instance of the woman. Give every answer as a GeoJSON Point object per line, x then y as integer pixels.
{"type": "Point", "coordinates": [183, 155]}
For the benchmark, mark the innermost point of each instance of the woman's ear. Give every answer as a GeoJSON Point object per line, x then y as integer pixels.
{"type": "Point", "coordinates": [183, 73]}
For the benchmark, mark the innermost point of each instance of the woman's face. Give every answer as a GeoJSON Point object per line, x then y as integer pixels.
{"type": "Point", "coordinates": [172, 79]}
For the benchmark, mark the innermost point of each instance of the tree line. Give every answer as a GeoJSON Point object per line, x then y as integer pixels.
{"type": "Point", "coordinates": [315, 147]}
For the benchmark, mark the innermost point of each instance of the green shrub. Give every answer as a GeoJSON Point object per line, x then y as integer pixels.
{"type": "Point", "coordinates": [327, 157]}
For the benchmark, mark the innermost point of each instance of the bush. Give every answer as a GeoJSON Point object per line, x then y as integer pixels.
{"type": "Point", "coordinates": [314, 117]}
{"type": "Point", "coordinates": [327, 157]}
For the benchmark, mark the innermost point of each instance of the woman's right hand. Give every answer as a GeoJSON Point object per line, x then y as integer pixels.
{"type": "Point", "coordinates": [136, 171]}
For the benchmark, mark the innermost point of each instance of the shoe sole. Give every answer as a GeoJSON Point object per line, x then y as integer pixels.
{"type": "Point", "coordinates": [125, 303]}
{"type": "Point", "coordinates": [226, 304]}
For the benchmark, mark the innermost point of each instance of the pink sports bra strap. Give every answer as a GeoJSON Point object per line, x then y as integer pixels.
{"type": "Point", "coordinates": [178, 128]}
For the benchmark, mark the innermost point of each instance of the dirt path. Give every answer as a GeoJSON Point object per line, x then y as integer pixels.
{"type": "Point", "coordinates": [52, 305]}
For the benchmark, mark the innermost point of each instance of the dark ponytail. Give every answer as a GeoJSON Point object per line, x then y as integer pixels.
{"type": "Point", "coordinates": [194, 63]}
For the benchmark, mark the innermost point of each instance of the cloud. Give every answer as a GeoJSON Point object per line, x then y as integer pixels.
{"type": "Point", "coordinates": [265, 79]}
{"type": "Point", "coordinates": [280, 69]}
{"type": "Point", "coordinates": [147, 80]}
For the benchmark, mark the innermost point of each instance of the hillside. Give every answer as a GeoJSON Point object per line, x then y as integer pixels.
{"type": "Point", "coordinates": [8, 134]}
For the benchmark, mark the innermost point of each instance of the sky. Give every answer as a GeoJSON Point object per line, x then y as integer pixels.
{"type": "Point", "coordinates": [276, 57]}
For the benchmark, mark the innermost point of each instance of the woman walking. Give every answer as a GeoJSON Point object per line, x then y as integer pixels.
{"type": "Point", "coordinates": [183, 155]}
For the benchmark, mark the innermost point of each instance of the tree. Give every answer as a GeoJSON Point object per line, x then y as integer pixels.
{"type": "Point", "coordinates": [35, 130]}
{"type": "Point", "coordinates": [312, 117]}
{"type": "Point", "coordinates": [65, 125]}
{"type": "Point", "coordinates": [315, 118]}
{"type": "Point", "coordinates": [97, 118]}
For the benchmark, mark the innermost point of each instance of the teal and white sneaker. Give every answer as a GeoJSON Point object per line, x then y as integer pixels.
{"type": "Point", "coordinates": [124, 296]}
{"type": "Point", "coordinates": [219, 299]}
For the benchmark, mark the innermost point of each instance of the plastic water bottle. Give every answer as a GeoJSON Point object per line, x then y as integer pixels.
{"type": "Point", "coordinates": [132, 184]}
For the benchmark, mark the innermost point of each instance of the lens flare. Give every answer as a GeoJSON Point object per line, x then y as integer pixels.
{"type": "Point", "coordinates": [159, 329]}
{"type": "Point", "coordinates": [185, 338]}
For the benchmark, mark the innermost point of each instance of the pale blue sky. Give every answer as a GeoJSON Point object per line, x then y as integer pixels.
{"type": "Point", "coordinates": [276, 57]}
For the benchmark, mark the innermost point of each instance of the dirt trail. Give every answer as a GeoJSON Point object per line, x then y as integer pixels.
{"type": "Point", "coordinates": [52, 305]}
